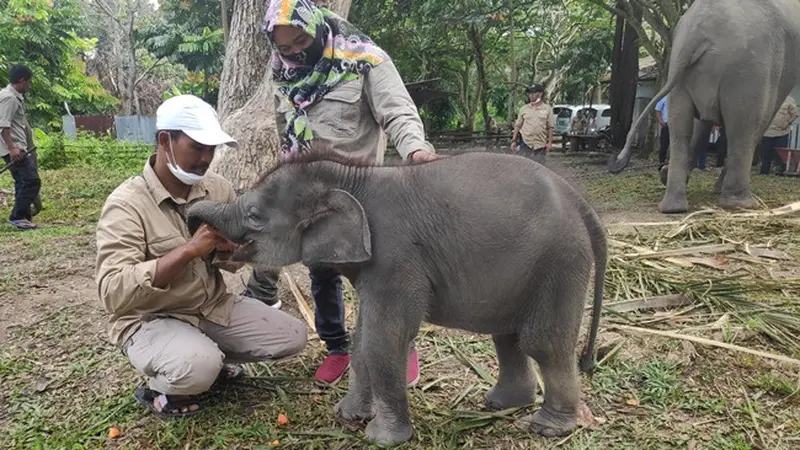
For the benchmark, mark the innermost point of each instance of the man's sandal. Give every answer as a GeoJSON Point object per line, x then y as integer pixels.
{"type": "Point", "coordinates": [170, 407]}
{"type": "Point", "coordinates": [229, 373]}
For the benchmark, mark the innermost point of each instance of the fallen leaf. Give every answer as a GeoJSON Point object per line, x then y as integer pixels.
{"type": "Point", "coordinates": [42, 384]}
{"type": "Point", "coordinates": [691, 445]}
{"type": "Point", "coordinates": [585, 416]}
{"type": "Point", "coordinates": [632, 402]}
{"type": "Point", "coordinates": [114, 432]}
{"type": "Point", "coordinates": [282, 419]}
{"type": "Point", "coordinates": [274, 443]}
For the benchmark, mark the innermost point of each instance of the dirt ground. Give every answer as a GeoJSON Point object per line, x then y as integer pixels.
{"type": "Point", "coordinates": [65, 386]}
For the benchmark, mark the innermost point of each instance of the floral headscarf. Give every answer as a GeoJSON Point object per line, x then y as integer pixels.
{"type": "Point", "coordinates": [346, 55]}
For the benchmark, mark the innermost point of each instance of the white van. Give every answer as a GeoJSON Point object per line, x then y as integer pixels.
{"type": "Point", "coordinates": [562, 118]}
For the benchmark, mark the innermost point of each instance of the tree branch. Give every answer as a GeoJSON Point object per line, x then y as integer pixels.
{"type": "Point", "coordinates": [107, 10]}
{"type": "Point", "coordinates": [149, 69]}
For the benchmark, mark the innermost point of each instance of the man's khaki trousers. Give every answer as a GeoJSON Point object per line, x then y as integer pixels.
{"type": "Point", "coordinates": [181, 359]}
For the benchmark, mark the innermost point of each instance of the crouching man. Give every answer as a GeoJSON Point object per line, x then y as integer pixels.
{"type": "Point", "coordinates": [170, 311]}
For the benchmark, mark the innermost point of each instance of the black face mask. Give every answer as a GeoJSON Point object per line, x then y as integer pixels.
{"type": "Point", "coordinates": [310, 56]}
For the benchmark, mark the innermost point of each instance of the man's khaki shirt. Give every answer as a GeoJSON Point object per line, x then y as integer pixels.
{"type": "Point", "coordinates": [351, 119]}
{"type": "Point", "coordinates": [782, 122]}
{"type": "Point", "coordinates": [534, 123]}
{"type": "Point", "coordinates": [141, 222]}
{"type": "Point", "coordinates": [13, 117]}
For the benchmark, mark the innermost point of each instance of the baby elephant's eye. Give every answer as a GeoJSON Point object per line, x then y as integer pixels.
{"type": "Point", "coordinates": [252, 213]}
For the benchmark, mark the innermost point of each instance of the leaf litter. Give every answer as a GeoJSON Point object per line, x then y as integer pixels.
{"type": "Point", "coordinates": [739, 266]}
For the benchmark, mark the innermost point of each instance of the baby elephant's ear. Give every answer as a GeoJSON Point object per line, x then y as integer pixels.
{"type": "Point", "coordinates": [339, 232]}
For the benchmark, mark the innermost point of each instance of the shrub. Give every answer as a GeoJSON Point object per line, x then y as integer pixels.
{"type": "Point", "coordinates": [55, 151]}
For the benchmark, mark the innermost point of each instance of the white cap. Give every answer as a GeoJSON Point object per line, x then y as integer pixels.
{"type": "Point", "coordinates": [196, 118]}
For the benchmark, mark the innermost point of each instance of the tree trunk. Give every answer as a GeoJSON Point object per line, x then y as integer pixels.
{"type": "Point", "coordinates": [226, 26]}
{"type": "Point", "coordinates": [128, 106]}
{"type": "Point", "coordinates": [483, 87]}
{"type": "Point", "coordinates": [512, 94]}
{"type": "Point", "coordinates": [246, 57]}
{"type": "Point", "coordinates": [624, 78]}
{"type": "Point", "coordinates": [340, 7]}
{"type": "Point", "coordinates": [250, 119]}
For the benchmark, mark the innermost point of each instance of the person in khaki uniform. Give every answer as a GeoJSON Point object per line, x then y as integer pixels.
{"type": "Point", "coordinates": [17, 149]}
{"type": "Point", "coordinates": [777, 135]}
{"type": "Point", "coordinates": [535, 126]}
{"type": "Point", "coordinates": [335, 89]}
{"type": "Point", "coordinates": [169, 309]}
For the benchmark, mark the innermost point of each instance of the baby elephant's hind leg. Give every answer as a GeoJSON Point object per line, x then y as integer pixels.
{"type": "Point", "coordinates": [516, 383]}
{"type": "Point", "coordinates": [550, 340]}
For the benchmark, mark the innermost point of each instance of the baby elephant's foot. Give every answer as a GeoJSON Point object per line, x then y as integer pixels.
{"type": "Point", "coordinates": [385, 432]}
{"type": "Point", "coordinates": [550, 424]}
{"type": "Point", "coordinates": [500, 397]}
{"type": "Point", "coordinates": [352, 413]}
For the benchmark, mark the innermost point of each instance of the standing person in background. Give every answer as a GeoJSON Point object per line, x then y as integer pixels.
{"type": "Point", "coordinates": [17, 149]}
{"type": "Point", "coordinates": [661, 116]}
{"type": "Point", "coordinates": [535, 126]}
{"type": "Point", "coordinates": [721, 147]}
{"type": "Point", "coordinates": [335, 88]}
{"type": "Point", "coordinates": [777, 136]}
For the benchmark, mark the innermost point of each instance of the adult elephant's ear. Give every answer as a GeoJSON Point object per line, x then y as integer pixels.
{"type": "Point", "coordinates": [338, 232]}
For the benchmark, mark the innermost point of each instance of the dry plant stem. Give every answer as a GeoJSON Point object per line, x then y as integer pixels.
{"type": "Point", "coordinates": [305, 310]}
{"type": "Point", "coordinates": [657, 302]}
{"type": "Point", "coordinates": [755, 421]}
{"type": "Point", "coordinates": [699, 340]}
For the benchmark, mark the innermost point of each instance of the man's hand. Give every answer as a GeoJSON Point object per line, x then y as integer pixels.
{"type": "Point", "coordinates": [513, 146]}
{"type": "Point", "coordinates": [547, 147]}
{"type": "Point", "coordinates": [206, 240]}
{"type": "Point", "coordinates": [15, 154]}
{"type": "Point", "coordinates": [421, 156]}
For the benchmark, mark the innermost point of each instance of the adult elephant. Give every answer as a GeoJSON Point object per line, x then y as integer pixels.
{"type": "Point", "coordinates": [732, 63]}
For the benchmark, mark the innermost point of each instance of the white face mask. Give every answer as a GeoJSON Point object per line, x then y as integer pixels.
{"type": "Point", "coordinates": [183, 176]}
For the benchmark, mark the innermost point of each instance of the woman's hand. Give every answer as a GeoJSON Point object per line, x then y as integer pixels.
{"type": "Point", "coordinates": [423, 156]}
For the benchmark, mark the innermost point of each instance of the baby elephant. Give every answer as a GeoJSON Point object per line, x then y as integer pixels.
{"type": "Point", "coordinates": [493, 244]}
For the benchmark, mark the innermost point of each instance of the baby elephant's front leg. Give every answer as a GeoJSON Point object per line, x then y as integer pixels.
{"type": "Point", "coordinates": [355, 409]}
{"type": "Point", "coordinates": [386, 360]}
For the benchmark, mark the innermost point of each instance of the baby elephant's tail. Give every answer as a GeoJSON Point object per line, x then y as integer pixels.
{"type": "Point", "coordinates": [599, 248]}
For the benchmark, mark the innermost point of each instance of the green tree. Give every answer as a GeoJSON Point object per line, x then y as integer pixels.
{"type": "Point", "coordinates": [43, 35]}
{"type": "Point", "coordinates": [190, 34]}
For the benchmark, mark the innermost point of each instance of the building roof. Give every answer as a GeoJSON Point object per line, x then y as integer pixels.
{"type": "Point", "coordinates": [424, 91]}
{"type": "Point", "coordinates": [648, 70]}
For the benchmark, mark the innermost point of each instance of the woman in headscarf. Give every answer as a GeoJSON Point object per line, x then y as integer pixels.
{"type": "Point", "coordinates": [337, 89]}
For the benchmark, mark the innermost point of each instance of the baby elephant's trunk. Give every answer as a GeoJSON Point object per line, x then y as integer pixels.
{"type": "Point", "coordinates": [220, 216]}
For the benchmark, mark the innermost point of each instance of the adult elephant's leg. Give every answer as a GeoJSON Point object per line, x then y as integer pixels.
{"type": "Point", "coordinates": [390, 322]}
{"type": "Point", "coordinates": [681, 121]}
{"type": "Point", "coordinates": [356, 407]}
{"type": "Point", "coordinates": [744, 128]}
{"type": "Point", "coordinates": [516, 383]}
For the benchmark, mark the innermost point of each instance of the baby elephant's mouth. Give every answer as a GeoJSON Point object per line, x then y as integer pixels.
{"type": "Point", "coordinates": [245, 252]}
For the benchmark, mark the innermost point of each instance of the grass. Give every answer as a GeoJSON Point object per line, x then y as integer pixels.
{"type": "Point", "coordinates": [637, 189]}
{"type": "Point", "coordinates": [64, 386]}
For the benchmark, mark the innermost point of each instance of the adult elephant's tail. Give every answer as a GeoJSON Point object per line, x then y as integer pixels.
{"type": "Point", "coordinates": [687, 48]}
